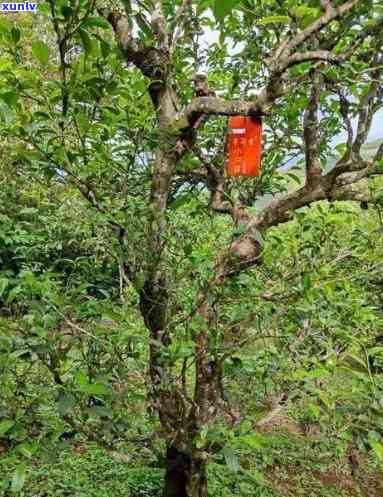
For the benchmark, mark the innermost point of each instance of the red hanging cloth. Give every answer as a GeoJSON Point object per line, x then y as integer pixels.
{"type": "Point", "coordinates": [244, 146]}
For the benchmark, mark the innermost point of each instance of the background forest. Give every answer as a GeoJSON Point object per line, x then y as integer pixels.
{"type": "Point", "coordinates": [166, 330]}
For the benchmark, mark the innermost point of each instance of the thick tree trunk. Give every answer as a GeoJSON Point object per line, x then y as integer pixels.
{"type": "Point", "coordinates": [185, 476]}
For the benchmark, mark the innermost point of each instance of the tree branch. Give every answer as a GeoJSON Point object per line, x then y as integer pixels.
{"type": "Point", "coordinates": [178, 23]}
{"type": "Point", "coordinates": [311, 55]}
{"type": "Point", "coordinates": [367, 107]}
{"type": "Point", "coordinates": [351, 193]}
{"type": "Point", "coordinates": [311, 135]}
{"type": "Point", "coordinates": [379, 154]}
{"type": "Point", "coordinates": [216, 106]}
{"type": "Point", "coordinates": [282, 58]}
{"type": "Point", "coordinates": [159, 27]}
{"type": "Point", "coordinates": [344, 110]}
{"type": "Point", "coordinates": [373, 169]}
{"type": "Point", "coordinates": [372, 30]}
{"type": "Point", "coordinates": [327, 5]}
{"type": "Point", "coordinates": [146, 58]}
{"type": "Point", "coordinates": [330, 15]}
{"type": "Point", "coordinates": [219, 198]}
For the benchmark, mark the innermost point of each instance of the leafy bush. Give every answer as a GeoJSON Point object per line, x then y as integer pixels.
{"type": "Point", "coordinates": [92, 474]}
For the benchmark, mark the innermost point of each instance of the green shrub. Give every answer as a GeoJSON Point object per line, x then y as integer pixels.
{"type": "Point", "coordinates": [93, 474]}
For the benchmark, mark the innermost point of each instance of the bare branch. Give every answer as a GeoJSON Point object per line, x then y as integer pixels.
{"type": "Point", "coordinates": [346, 165]}
{"type": "Point", "coordinates": [351, 193]}
{"type": "Point", "coordinates": [372, 169]}
{"type": "Point", "coordinates": [219, 198]}
{"type": "Point", "coordinates": [379, 154]}
{"type": "Point", "coordinates": [299, 57]}
{"type": "Point", "coordinates": [122, 26]}
{"type": "Point", "coordinates": [144, 57]}
{"type": "Point", "coordinates": [311, 134]}
{"type": "Point", "coordinates": [327, 5]}
{"type": "Point", "coordinates": [159, 27]}
{"type": "Point", "coordinates": [178, 24]}
{"type": "Point", "coordinates": [367, 106]}
{"type": "Point", "coordinates": [216, 106]}
{"type": "Point", "coordinates": [344, 110]}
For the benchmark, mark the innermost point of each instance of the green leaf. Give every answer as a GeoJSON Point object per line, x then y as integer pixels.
{"type": "Point", "coordinates": [304, 10]}
{"type": "Point", "coordinates": [313, 410]}
{"type": "Point", "coordinates": [20, 353]}
{"type": "Point", "coordinates": [6, 113]}
{"type": "Point", "coordinates": [89, 44]}
{"type": "Point", "coordinates": [105, 48]}
{"type": "Point", "coordinates": [358, 360]}
{"type": "Point", "coordinates": [41, 51]}
{"type": "Point", "coordinates": [231, 459]}
{"type": "Point", "coordinates": [274, 20]}
{"type": "Point", "coordinates": [377, 448]}
{"type": "Point", "coordinates": [201, 439]}
{"type": "Point", "coordinates": [101, 412]}
{"type": "Point", "coordinates": [5, 25]}
{"type": "Point", "coordinates": [3, 285]}
{"type": "Point", "coordinates": [204, 5]}
{"type": "Point", "coordinates": [13, 294]}
{"type": "Point", "coordinates": [95, 22]}
{"type": "Point", "coordinates": [296, 178]}
{"type": "Point", "coordinates": [65, 404]}
{"type": "Point", "coordinates": [96, 389]}
{"type": "Point", "coordinates": [18, 478]}
{"type": "Point", "coordinates": [27, 449]}
{"type": "Point", "coordinates": [10, 98]}
{"type": "Point", "coordinates": [85, 40]}
{"type": "Point", "coordinates": [15, 34]}
{"type": "Point", "coordinates": [67, 11]}
{"type": "Point", "coordinates": [90, 388]}
{"type": "Point", "coordinates": [5, 426]}
{"type": "Point", "coordinates": [222, 8]}
{"type": "Point", "coordinates": [341, 147]}
{"type": "Point", "coordinates": [144, 26]}
{"type": "Point", "coordinates": [140, 281]}
{"type": "Point", "coordinates": [197, 323]}
{"type": "Point", "coordinates": [306, 282]}
{"type": "Point", "coordinates": [301, 374]}
{"type": "Point", "coordinates": [306, 14]}
{"type": "Point", "coordinates": [127, 4]}
{"type": "Point", "coordinates": [252, 440]}
{"type": "Point", "coordinates": [5, 343]}
{"type": "Point", "coordinates": [180, 201]}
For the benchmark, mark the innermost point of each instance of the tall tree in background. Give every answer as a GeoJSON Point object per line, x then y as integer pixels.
{"type": "Point", "coordinates": [133, 125]}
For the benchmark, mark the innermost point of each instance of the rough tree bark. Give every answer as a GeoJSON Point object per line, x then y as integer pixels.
{"type": "Point", "coordinates": [185, 474]}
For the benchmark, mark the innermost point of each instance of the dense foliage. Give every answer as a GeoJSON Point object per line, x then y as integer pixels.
{"type": "Point", "coordinates": [156, 315]}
